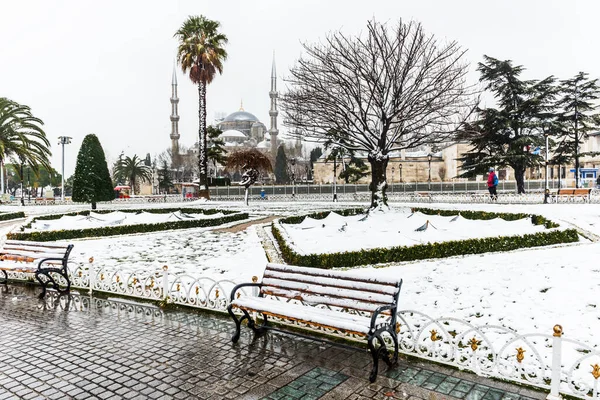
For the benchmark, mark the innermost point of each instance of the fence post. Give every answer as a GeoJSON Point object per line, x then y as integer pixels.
{"type": "Point", "coordinates": [92, 274]}
{"type": "Point", "coordinates": [556, 359]}
{"type": "Point", "coordinates": [165, 285]}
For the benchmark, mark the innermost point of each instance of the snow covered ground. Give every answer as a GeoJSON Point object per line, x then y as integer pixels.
{"type": "Point", "coordinates": [96, 220]}
{"type": "Point", "coordinates": [399, 227]}
{"type": "Point", "coordinates": [527, 290]}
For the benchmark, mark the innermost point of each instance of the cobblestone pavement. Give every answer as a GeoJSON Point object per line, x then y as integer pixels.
{"type": "Point", "coordinates": [80, 347]}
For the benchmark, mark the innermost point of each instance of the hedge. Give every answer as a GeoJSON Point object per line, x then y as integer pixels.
{"type": "Point", "coordinates": [485, 215]}
{"type": "Point", "coordinates": [207, 211]}
{"type": "Point", "coordinates": [429, 250]}
{"type": "Point", "coordinates": [320, 215]}
{"type": "Point", "coordinates": [14, 215]}
{"type": "Point", "coordinates": [123, 229]}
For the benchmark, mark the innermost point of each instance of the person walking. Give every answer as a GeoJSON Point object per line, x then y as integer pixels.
{"type": "Point", "coordinates": [492, 183]}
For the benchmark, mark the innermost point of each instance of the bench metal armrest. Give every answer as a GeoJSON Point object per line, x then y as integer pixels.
{"type": "Point", "coordinates": [52, 259]}
{"type": "Point", "coordinates": [241, 285]}
{"type": "Point", "coordinates": [378, 311]}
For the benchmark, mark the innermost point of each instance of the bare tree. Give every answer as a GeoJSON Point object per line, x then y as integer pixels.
{"type": "Point", "coordinates": [383, 91]}
{"type": "Point", "coordinates": [252, 162]}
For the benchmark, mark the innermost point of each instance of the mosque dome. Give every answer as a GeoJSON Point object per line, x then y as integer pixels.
{"type": "Point", "coordinates": [241, 116]}
{"type": "Point", "coordinates": [265, 144]}
{"type": "Point", "coordinates": [232, 133]}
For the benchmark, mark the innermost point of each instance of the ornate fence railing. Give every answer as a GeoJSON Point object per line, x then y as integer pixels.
{"type": "Point", "coordinates": [547, 361]}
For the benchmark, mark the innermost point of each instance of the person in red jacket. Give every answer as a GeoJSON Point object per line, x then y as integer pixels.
{"type": "Point", "coordinates": [492, 182]}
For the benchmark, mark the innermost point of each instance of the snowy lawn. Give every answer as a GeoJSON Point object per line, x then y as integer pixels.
{"type": "Point", "coordinates": [400, 227]}
{"type": "Point", "coordinates": [528, 290]}
{"type": "Point", "coordinates": [96, 220]}
{"type": "Point", "coordinates": [198, 252]}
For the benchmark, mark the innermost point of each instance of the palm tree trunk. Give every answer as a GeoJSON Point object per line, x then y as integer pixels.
{"type": "Point", "coordinates": [202, 161]}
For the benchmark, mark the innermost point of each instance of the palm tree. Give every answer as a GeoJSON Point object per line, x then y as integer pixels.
{"type": "Point", "coordinates": [22, 137]}
{"type": "Point", "coordinates": [134, 169]}
{"type": "Point", "coordinates": [201, 52]}
{"type": "Point", "coordinates": [251, 162]}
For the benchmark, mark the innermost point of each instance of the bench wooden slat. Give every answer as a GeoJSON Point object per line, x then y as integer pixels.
{"type": "Point", "coordinates": [338, 283]}
{"type": "Point", "coordinates": [35, 244]}
{"type": "Point", "coordinates": [291, 289]}
{"type": "Point", "coordinates": [335, 320]}
{"type": "Point", "coordinates": [343, 275]}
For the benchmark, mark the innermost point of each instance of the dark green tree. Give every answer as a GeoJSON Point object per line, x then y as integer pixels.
{"type": "Point", "coordinates": [504, 136]}
{"type": "Point", "coordinates": [281, 167]}
{"type": "Point", "coordinates": [216, 147]}
{"type": "Point", "coordinates": [165, 183]}
{"type": "Point", "coordinates": [92, 181]}
{"type": "Point", "coordinates": [135, 170]}
{"type": "Point", "coordinates": [314, 156]}
{"type": "Point", "coordinates": [577, 117]}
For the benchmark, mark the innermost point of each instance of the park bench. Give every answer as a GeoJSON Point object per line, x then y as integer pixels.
{"type": "Point", "coordinates": [329, 301]}
{"type": "Point", "coordinates": [44, 200]}
{"type": "Point", "coordinates": [47, 261]}
{"type": "Point", "coordinates": [571, 194]}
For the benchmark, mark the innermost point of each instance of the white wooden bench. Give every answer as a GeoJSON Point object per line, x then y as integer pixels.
{"type": "Point", "coordinates": [337, 301]}
{"type": "Point", "coordinates": [572, 194]}
{"type": "Point", "coordinates": [47, 261]}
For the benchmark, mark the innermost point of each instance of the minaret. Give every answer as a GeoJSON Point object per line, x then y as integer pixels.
{"type": "Point", "coordinates": [174, 119]}
{"type": "Point", "coordinates": [273, 131]}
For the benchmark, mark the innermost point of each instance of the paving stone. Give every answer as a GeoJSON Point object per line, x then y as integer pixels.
{"type": "Point", "coordinates": [110, 349]}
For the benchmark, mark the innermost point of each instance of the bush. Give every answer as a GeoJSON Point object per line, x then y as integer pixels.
{"type": "Point", "coordinates": [429, 250]}
{"type": "Point", "coordinates": [486, 215]}
{"type": "Point", "coordinates": [422, 251]}
{"type": "Point", "coordinates": [124, 229]}
{"type": "Point", "coordinates": [14, 215]}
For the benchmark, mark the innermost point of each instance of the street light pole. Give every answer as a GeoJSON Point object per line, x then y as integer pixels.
{"type": "Point", "coordinates": [392, 179]}
{"type": "Point", "coordinates": [334, 178]}
{"type": "Point", "coordinates": [63, 140]}
{"type": "Point", "coordinates": [429, 179]}
{"type": "Point", "coordinates": [546, 189]}
{"type": "Point", "coordinates": [293, 163]}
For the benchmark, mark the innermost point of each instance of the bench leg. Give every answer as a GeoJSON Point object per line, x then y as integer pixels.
{"type": "Point", "coordinates": [44, 276]}
{"type": "Point", "coordinates": [238, 323]}
{"type": "Point", "coordinates": [382, 350]}
{"type": "Point", "coordinates": [5, 277]}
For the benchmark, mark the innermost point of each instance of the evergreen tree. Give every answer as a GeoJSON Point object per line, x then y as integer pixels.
{"type": "Point", "coordinates": [314, 156]}
{"type": "Point", "coordinates": [92, 181]}
{"type": "Point", "coordinates": [504, 136]}
{"type": "Point", "coordinates": [148, 160]}
{"type": "Point", "coordinates": [576, 119]}
{"type": "Point", "coordinates": [354, 169]}
{"type": "Point", "coordinates": [165, 183]}
{"type": "Point", "coordinates": [216, 147]}
{"type": "Point", "coordinates": [281, 167]}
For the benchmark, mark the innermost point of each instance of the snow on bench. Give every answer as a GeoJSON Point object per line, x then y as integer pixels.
{"type": "Point", "coordinates": [339, 301]}
{"type": "Point", "coordinates": [39, 258]}
{"type": "Point", "coordinates": [572, 194]}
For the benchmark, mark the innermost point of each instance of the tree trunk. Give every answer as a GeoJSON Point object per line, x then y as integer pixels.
{"type": "Point", "coordinates": [93, 205]}
{"type": "Point", "coordinates": [202, 161]}
{"type": "Point", "coordinates": [378, 185]}
{"type": "Point", "coordinates": [246, 192]}
{"type": "Point", "coordinates": [520, 178]}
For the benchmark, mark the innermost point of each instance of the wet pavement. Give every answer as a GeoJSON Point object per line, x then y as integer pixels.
{"type": "Point", "coordinates": [82, 347]}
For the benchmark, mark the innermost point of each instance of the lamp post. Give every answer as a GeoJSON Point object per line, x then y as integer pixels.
{"type": "Point", "coordinates": [63, 140]}
{"type": "Point", "coordinates": [29, 183]}
{"type": "Point", "coordinates": [392, 179]}
{"type": "Point", "coordinates": [293, 164]}
{"type": "Point", "coordinates": [400, 169]}
{"type": "Point", "coordinates": [429, 178]}
{"type": "Point", "coordinates": [546, 189]}
{"type": "Point", "coordinates": [334, 178]}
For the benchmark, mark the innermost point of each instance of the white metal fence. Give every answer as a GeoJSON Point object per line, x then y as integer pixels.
{"type": "Point", "coordinates": [545, 360]}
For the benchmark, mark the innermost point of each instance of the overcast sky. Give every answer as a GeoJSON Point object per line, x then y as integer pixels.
{"type": "Point", "coordinates": [105, 67]}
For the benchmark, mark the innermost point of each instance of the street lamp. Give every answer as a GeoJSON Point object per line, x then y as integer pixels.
{"type": "Point", "coordinates": [429, 161]}
{"type": "Point", "coordinates": [400, 169]}
{"type": "Point", "coordinates": [546, 189]}
{"type": "Point", "coordinates": [334, 178]}
{"type": "Point", "coordinates": [63, 140]}
{"type": "Point", "coordinates": [392, 179]}
{"type": "Point", "coordinates": [293, 163]}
